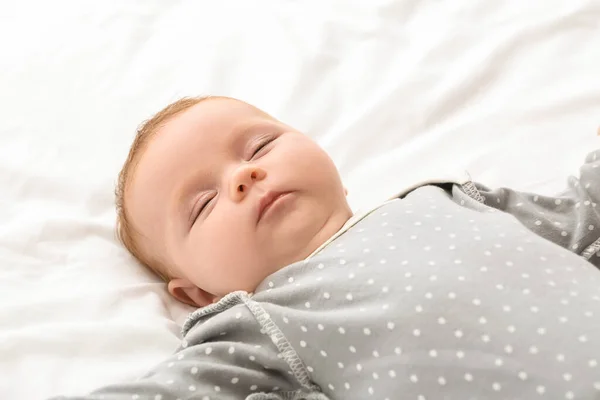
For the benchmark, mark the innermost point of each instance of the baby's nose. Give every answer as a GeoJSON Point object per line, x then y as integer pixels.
{"type": "Point", "coordinates": [244, 178]}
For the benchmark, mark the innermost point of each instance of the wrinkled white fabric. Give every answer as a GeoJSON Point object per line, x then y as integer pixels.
{"type": "Point", "coordinates": [394, 90]}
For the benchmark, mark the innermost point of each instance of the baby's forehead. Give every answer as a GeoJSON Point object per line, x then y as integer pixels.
{"type": "Point", "coordinates": [215, 120]}
{"type": "Point", "coordinates": [220, 106]}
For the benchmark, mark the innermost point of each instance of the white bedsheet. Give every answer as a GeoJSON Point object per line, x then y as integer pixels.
{"type": "Point", "coordinates": [394, 90]}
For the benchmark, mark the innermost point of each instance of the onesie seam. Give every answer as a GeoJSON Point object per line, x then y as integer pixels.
{"type": "Point", "coordinates": [287, 351]}
{"type": "Point", "coordinates": [288, 395]}
{"type": "Point", "coordinates": [593, 248]}
{"type": "Point", "coordinates": [471, 190]}
{"type": "Point", "coordinates": [230, 300]}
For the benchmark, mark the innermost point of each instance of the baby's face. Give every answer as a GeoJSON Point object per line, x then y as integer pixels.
{"type": "Point", "coordinates": [199, 193]}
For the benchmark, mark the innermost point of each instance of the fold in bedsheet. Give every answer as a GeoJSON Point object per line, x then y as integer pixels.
{"type": "Point", "coordinates": [396, 91]}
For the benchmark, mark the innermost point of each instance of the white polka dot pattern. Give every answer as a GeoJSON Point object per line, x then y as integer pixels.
{"type": "Point", "coordinates": [486, 298]}
{"type": "Point", "coordinates": [434, 293]}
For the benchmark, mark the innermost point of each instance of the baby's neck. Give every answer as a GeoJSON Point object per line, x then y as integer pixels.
{"type": "Point", "coordinates": [329, 229]}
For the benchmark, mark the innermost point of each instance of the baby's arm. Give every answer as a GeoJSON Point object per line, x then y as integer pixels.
{"type": "Point", "coordinates": [570, 219]}
{"type": "Point", "coordinates": [205, 371]}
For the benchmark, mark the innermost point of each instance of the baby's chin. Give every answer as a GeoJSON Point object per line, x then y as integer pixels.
{"type": "Point", "coordinates": [303, 235]}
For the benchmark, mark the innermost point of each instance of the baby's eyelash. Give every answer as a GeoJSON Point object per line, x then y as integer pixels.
{"type": "Point", "coordinates": [261, 144]}
{"type": "Point", "coordinates": [202, 207]}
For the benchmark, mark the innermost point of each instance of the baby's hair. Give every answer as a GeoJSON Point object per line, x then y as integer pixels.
{"type": "Point", "coordinates": [126, 232]}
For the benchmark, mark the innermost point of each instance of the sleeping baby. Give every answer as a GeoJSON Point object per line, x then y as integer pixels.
{"type": "Point", "coordinates": [446, 290]}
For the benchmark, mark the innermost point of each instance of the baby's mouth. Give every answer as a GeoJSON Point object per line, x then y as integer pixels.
{"type": "Point", "coordinates": [267, 201]}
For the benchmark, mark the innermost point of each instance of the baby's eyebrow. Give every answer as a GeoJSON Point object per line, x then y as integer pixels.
{"type": "Point", "coordinates": [256, 126]}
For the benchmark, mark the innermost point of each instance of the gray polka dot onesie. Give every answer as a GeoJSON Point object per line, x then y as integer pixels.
{"type": "Point", "coordinates": [452, 291]}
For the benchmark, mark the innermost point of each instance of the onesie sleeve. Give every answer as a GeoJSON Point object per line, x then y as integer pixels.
{"type": "Point", "coordinates": [204, 371]}
{"type": "Point", "coordinates": [570, 219]}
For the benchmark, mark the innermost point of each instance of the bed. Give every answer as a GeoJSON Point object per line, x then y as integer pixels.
{"type": "Point", "coordinates": [395, 90]}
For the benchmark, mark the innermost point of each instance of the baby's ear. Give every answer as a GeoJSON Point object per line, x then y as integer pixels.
{"type": "Point", "coordinates": [188, 293]}
{"type": "Point", "coordinates": [345, 190]}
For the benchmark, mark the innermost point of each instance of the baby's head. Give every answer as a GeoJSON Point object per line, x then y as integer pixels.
{"type": "Point", "coordinates": [195, 197]}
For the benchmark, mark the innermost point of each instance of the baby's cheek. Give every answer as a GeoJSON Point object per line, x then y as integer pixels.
{"type": "Point", "coordinates": [237, 269]}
